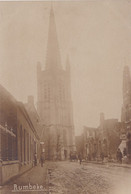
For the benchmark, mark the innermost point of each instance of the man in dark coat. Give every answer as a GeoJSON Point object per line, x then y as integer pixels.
{"type": "Point", "coordinates": [119, 155]}
{"type": "Point", "coordinates": [42, 159]}
{"type": "Point", "coordinates": [80, 158]}
{"type": "Point", "coordinates": [35, 159]}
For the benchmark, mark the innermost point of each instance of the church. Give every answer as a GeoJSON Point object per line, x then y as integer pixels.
{"type": "Point", "coordinates": [54, 103]}
{"type": "Point", "coordinates": [126, 113]}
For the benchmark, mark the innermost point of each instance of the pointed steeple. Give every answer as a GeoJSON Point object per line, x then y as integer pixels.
{"type": "Point", "coordinates": [126, 86]}
{"type": "Point", "coordinates": [53, 60]}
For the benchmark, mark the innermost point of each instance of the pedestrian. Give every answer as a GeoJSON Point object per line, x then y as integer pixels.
{"type": "Point", "coordinates": [124, 152]}
{"type": "Point", "coordinates": [70, 156]}
{"type": "Point", "coordinates": [102, 156]}
{"type": "Point", "coordinates": [35, 159]}
{"type": "Point", "coordinates": [42, 159]}
{"type": "Point", "coordinates": [80, 158]}
{"type": "Point", "coordinates": [109, 157]}
{"type": "Point", "coordinates": [89, 157]}
{"type": "Point", "coordinates": [119, 155]}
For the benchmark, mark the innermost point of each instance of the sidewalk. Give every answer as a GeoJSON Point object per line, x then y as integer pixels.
{"type": "Point", "coordinates": [110, 164]}
{"type": "Point", "coordinates": [120, 165]}
{"type": "Point", "coordinates": [34, 180]}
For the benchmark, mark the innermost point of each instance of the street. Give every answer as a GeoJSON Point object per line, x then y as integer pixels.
{"type": "Point", "coordinates": [72, 178]}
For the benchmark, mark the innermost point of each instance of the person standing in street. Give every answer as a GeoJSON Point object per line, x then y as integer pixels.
{"type": "Point", "coordinates": [80, 158]}
{"type": "Point", "coordinates": [102, 157]}
{"type": "Point", "coordinates": [35, 159]}
{"type": "Point", "coordinates": [119, 155]}
{"type": "Point", "coordinates": [42, 159]}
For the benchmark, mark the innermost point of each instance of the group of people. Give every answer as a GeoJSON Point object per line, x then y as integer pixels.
{"type": "Point", "coordinates": [119, 156]}
{"type": "Point", "coordinates": [42, 159]}
{"type": "Point", "coordinates": [75, 157]}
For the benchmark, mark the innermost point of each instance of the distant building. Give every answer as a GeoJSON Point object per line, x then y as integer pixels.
{"type": "Point", "coordinates": [126, 108]}
{"type": "Point", "coordinates": [90, 142]}
{"type": "Point", "coordinates": [54, 100]}
{"type": "Point", "coordinates": [19, 139]}
{"type": "Point", "coordinates": [109, 135]}
{"type": "Point", "coordinates": [79, 142]}
{"type": "Point", "coordinates": [126, 112]}
{"type": "Point", "coordinates": [103, 140]}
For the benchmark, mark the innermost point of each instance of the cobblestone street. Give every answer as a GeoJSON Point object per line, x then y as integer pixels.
{"type": "Point", "coordinates": [89, 179]}
{"type": "Point", "coordinates": [73, 178]}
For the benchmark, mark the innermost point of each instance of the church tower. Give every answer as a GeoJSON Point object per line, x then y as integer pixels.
{"type": "Point", "coordinates": [126, 109]}
{"type": "Point", "coordinates": [54, 102]}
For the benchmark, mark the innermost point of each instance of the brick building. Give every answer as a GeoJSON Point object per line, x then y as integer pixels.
{"type": "Point", "coordinates": [19, 138]}
{"type": "Point", "coordinates": [27, 138]}
{"type": "Point", "coordinates": [109, 135]}
{"type": "Point", "coordinates": [103, 140]}
{"type": "Point", "coordinates": [8, 136]}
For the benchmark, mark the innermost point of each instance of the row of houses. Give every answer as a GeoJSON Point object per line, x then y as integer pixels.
{"type": "Point", "coordinates": [111, 134]}
{"type": "Point", "coordinates": [20, 132]}
{"type": "Point", "coordinates": [105, 140]}
{"type": "Point", "coordinates": [102, 141]}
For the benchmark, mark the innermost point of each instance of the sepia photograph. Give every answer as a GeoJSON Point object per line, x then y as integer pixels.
{"type": "Point", "coordinates": [65, 97]}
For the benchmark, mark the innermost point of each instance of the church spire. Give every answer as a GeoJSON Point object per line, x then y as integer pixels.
{"type": "Point", "coordinates": [53, 60]}
{"type": "Point", "coordinates": [126, 86]}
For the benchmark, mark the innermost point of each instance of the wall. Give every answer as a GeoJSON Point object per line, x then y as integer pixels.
{"type": "Point", "coordinates": [28, 140]}
{"type": "Point", "coordinates": [9, 169]}
{"type": "Point", "coordinates": [19, 140]}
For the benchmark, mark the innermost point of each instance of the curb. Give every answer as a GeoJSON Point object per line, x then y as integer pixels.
{"type": "Point", "coordinates": [121, 166]}
{"type": "Point", "coordinates": [110, 164]}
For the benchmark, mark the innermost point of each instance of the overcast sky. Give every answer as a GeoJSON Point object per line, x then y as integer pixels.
{"type": "Point", "coordinates": [96, 35]}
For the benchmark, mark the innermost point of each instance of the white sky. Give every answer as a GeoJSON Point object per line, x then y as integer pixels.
{"type": "Point", "coordinates": [96, 35]}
